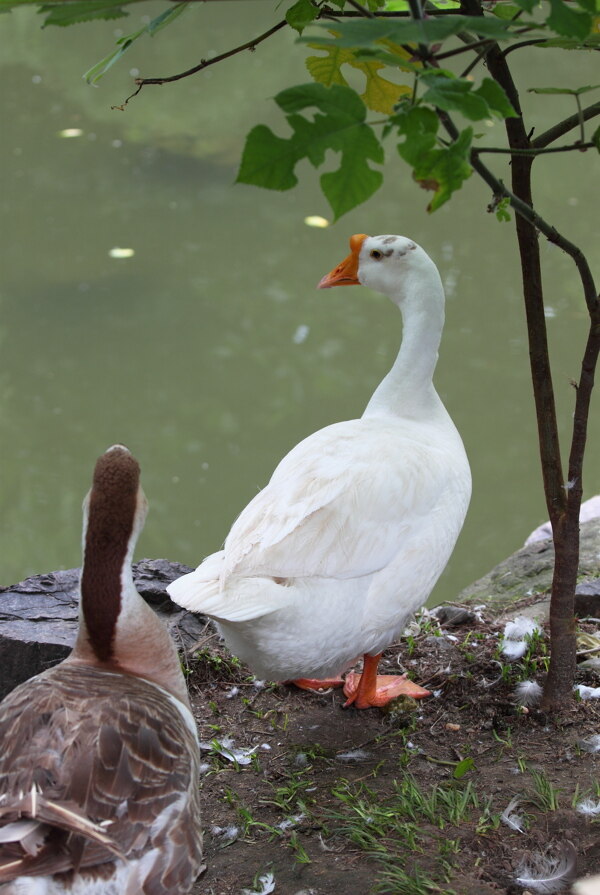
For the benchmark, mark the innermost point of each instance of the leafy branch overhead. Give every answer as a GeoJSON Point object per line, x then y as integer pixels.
{"type": "Point", "coordinates": [338, 124]}
{"type": "Point", "coordinates": [415, 96]}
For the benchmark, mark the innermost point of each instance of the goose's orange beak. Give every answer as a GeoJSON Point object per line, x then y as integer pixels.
{"type": "Point", "coordinates": [346, 273]}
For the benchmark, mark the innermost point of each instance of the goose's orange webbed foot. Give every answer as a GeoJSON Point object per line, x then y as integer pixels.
{"type": "Point", "coordinates": [370, 689]}
{"type": "Point", "coordinates": [307, 683]}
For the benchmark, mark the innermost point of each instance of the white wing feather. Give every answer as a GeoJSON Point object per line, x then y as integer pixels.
{"type": "Point", "coordinates": [337, 504]}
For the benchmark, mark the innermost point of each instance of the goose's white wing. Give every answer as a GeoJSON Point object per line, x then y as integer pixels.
{"type": "Point", "coordinates": [340, 503]}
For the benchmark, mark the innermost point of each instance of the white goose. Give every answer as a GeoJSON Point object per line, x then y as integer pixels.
{"type": "Point", "coordinates": [99, 759]}
{"type": "Point", "coordinates": [358, 521]}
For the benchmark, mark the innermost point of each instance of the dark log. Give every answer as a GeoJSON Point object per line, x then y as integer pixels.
{"type": "Point", "coordinates": [38, 617]}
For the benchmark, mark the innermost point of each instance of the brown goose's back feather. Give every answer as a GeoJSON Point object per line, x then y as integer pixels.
{"type": "Point", "coordinates": [101, 757]}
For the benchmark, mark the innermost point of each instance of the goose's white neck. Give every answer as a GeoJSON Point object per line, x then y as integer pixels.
{"type": "Point", "coordinates": [407, 390]}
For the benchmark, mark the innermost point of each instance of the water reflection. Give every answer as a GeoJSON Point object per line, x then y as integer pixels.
{"type": "Point", "coordinates": [208, 350]}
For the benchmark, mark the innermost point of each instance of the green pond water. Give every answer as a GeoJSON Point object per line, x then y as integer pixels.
{"type": "Point", "coordinates": [208, 351]}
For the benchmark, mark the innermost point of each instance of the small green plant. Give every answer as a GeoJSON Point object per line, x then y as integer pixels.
{"type": "Point", "coordinates": [300, 855]}
{"type": "Point", "coordinates": [506, 742]}
{"type": "Point", "coordinates": [546, 797]}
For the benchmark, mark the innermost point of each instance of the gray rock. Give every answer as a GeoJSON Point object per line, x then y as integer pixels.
{"type": "Point", "coordinates": [38, 617]}
{"type": "Point", "coordinates": [528, 572]}
{"type": "Point", "coordinates": [453, 616]}
{"type": "Point", "coordinates": [587, 599]}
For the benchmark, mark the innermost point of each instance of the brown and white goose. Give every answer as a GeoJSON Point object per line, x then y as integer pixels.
{"type": "Point", "coordinates": [99, 759]}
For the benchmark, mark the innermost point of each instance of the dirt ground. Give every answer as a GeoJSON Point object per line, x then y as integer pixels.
{"type": "Point", "coordinates": [323, 800]}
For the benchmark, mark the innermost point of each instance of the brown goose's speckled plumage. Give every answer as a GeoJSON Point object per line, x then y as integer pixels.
{"type": "Point", "coordinates": [116, 758]}
{"type": "Point", "coordinates": [99, 768]}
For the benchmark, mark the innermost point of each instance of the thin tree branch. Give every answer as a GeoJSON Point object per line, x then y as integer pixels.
{"type": "Point", "coordinates": [551, 233]}
{"type": "Point", "coordinates": [204, 63]}
{"type": "Point", "coordinates": [485, 42]}
{"type": "Point", "coordinates": [563, 127]}
{"type": "Point", "coordinates": [363, 11]}
{"type": "Point", "coordinates": [524, 43]}
{"type": "Point", "coordinates": [580, 147]}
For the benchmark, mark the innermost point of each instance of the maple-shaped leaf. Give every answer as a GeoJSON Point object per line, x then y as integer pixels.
{"type": "Point", "coordinates": [327, 69]}
{"type": "Point", "coordinates": [380, 94]}
{"type": "Point", "coordinates": [444, 170]}
{"type": "Point", "coordinates": [338, 124]}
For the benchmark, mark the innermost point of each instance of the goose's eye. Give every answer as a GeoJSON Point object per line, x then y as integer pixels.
{"type": "Point", "coordinates": [376, 254]}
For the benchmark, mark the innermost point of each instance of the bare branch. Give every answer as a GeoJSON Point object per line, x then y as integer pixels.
{"type": "Point", "coordinates": [563, 127]}
{"type": "Point", "coordinates": [204, 63]}
{"type": "Point", "coordinates": [363, 11]}
{"type": "Point", "coordinates": [579, 147]}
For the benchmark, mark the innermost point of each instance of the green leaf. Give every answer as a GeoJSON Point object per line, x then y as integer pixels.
{"type": "Point", "coordinates": [570, 43]}
{"type": "Point", "coordinates": [367, 32]}
{"type": "Point", "coordinates": [93, 74]}
{"type": "Point", "coordinates": [327, 69]}
{"type": "Point", "coordinates": [496, 98]}
{"type": "Point", "coordinates": [569, 22]}
{"type": "Point", "coordinates": [380, 95]}
{"type": "Point", "coordinates": [419, 125]}
{"type": "Point", "coordinates": [161, 21]}
{"type": "Point", "coordinates": [502, 213]}
{"type": "Point", "coordinates": [338, 124]}
{"type": "Point", "coordinates": [301, 14]}
{"type": "Point", "coordinates": [463, 767]}
{"type": "Point", "coordinates": [268, 161]}
{"type": "Point", "coordinates": [564, 90]}
{"type": "Point", "coordinates": [451, 93]}
{"type": "Point", "coordinates": [441, 169]}
{"type": "Point", "coordinates": [83, 11]}
{"type": "Point", "coordinates": [444, 170]}
{"type": "Point", "coordinates": [527, 5]}
{"type": "Point", "coordinates": [508, 11]}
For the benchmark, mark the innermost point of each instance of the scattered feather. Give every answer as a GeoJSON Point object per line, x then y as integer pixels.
{"type": "Point", "coordinates": [228, 833]}
{"type": "Point", "coordinates": [301, 759]}
{"type": "Point", "coordinates": [259, 685]}
{"type": "Point", "coordinates": [550, 871]}
{"type": "Point", "coordinates": [587, 692]}
{"type": "Point", "coordinates": [589, 885]}
{"type": "Point", "coordinates": [511, 817]}
{"type": "Point", "coordinates": [290, 822]}
{"type": "Point", "coordinates": [589, 807]}
{"type": "Point", "coordinates": [591, 744]}
{"type": "Point", "coordinates": [264, 885]}
{"type": "Point", "coordinates": [514, 649]}
{"type": "Point", "coordinates": [521, 627]}
{"type": "Point", "coordinates": [353, 755]}
{"type": "Point", "coordinates": [231, 693]}
{"type": "Point", "coordinates": [226, 748]}
{"type": "Point", "coordinates": [528, 693]}
{"type": "Point", "coordinates": [323, 845]}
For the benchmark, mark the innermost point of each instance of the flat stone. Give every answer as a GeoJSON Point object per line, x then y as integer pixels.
{"type": "Point", "coordinates": [527, 574]}
{"type": "Point", "coordinates": [587, 599]}
{"type": "Point", "coordinates": [38, 617]}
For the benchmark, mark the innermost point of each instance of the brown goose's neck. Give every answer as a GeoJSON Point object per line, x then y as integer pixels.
{"type": "Point", "coordinates": [117, 631]}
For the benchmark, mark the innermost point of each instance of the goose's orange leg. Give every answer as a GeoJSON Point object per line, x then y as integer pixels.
{"type": "Point", "coordinates": [370, 689]}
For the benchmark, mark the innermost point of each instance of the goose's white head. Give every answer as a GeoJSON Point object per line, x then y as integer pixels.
{"type": "Point", "coordinates": [388, 264]}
